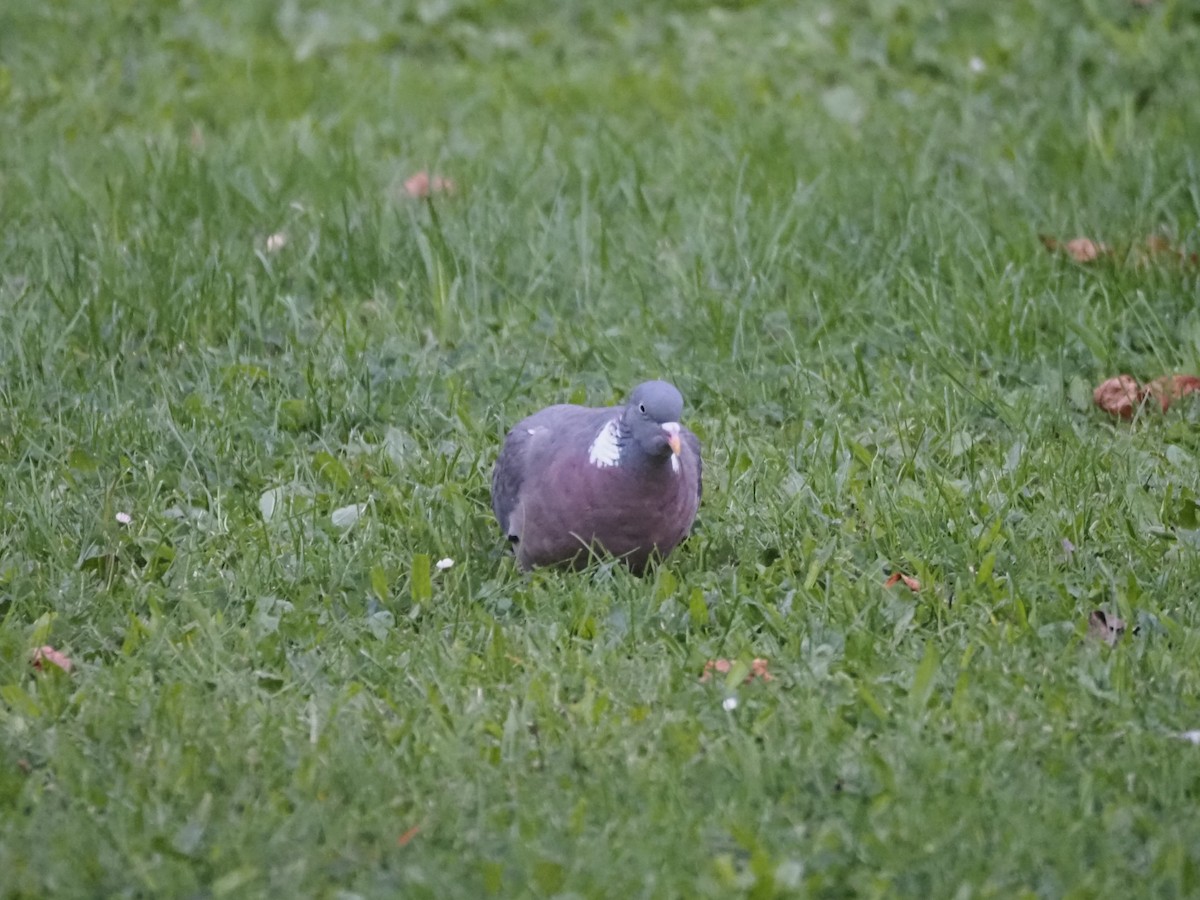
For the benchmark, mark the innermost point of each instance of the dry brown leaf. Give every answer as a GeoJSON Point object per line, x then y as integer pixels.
{"type": "Point", "coordinates": [1158, 249]}
{"type": "Point", "coordinates": [1120, 396]}
{"type": "Point", "coordinates": [1085, 250]}
{"type": "Point", "coordinates": [422, 185]}
{"type": "Point", "coordinates": [909, 582]}
{"type": "Point", "coordinates": [404, 839]}
{"type": "Point", "coordinates": [758, 669]}
{"type": "Point", "coordinates": [720, 666]}
{"type": "Point", "coordinates": [1157, 244]}
{"type": "Point", "coordinates": [48, 655]}
{"type": "Point", "coordinates": [1170, 388]}
{"type": "Point", "coordinates": [1154, 250]}
{"type": "Point", "coordinates": [1105, 628]}
{"type": "Point", "coordinates": [1080, 249]}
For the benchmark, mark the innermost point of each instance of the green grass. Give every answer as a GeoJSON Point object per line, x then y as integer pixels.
{"type": "Point", "coordinates": [821, 221]}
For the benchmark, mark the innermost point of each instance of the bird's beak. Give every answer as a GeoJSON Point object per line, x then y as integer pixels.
{"type": "Point", "coordinates": [672, 430]}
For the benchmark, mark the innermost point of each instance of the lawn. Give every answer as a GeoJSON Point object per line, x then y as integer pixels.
{"type": "Point", "coordinates": [252, 390]}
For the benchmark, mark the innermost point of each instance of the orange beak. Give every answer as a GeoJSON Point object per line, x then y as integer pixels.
{"type": "Point", "coordinates": [672, 430]}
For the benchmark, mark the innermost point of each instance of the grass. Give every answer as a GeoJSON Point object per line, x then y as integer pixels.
{"type": "Point", "coordinates": [821, 222]}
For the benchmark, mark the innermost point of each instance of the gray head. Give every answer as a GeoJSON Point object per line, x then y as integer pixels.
{"type": "Point", "coordinates": [652, 418]}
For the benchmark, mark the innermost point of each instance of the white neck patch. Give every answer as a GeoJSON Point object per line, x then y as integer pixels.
{"type": "Point", "coordinates": [606, 448]}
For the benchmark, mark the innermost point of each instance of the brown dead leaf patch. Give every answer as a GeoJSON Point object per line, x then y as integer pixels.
{"type": "Point", "coordinates": [421, 185]}
{"type": "Point", "coordinates": [720, 666]}
{"type": "Point", "coordinates": [1102, 627]}
{"type": "Point", "coordinates": [909, 582]}
{"type": "Point", "coordinates": [1155, 250]}
{"type": "Point", "coordinates": [1170, 388]}
{"type": "Point", "coordinates": [1120, 396]}
{"type": "Point", "coordinates": [758, 669]}
{"type": "Point", "coordinates": [1080, 249]}
{"type": "Point", "coordinates": [47, 655]}
{"type": "Point", "coordinates": [1158, 249]}
{"type": "Point", "coordinates": [406, 838]}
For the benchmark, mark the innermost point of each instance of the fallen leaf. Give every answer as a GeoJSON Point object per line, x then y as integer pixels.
{"type": "Point", "coordinates": [1085, 250]}
{"type": "Point", "coordinates": [1105, 628]}
{"type": "Point", "coordinates": [1169, 388]}
{"type": "Point", "coordinates": [1157, 246]}
{"type": "Point", "coordinates": [1080, 249]}
{"type": "Point", "coordinates": [1157, 243]}
{"type": "Point", "coordinates": [720, 666]}
{"type": "Point", "coordinates": [909, 582]}
{"type": "Point", "coordinates": [47, 654]}
{"type": "Point", "coordinates": [1154, 250]}
{"type": "Point", "coordinates": [422, 185]}
{"type": "Point", "coordinates": [1120, 396]}
{"type": "Point", "coordinates": [758, 669]}
{"type": "Point", "coordinates": [405, 838]}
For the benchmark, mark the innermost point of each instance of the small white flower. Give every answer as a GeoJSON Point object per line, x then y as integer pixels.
{"type": "Point", "coordinates": [976, 64]}
{"type": "Point", "coordinates": [124, 518]}
{"type": "Point", "coordinates": [276, 242]}
{"type": "Point", "coordinates": [443, 564]}
{"type": "Point", "coordinates": [729, 704]}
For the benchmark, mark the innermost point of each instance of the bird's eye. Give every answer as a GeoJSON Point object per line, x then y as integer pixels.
{"type": "Point", "coordinates": [642, 408]}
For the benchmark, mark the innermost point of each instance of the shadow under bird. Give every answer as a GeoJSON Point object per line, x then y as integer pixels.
{"type": "Point", "coordinates": [575, 481]}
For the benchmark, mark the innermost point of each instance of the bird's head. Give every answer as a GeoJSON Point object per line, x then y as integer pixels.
{"type": "Point", "coordinates": [652, 418]}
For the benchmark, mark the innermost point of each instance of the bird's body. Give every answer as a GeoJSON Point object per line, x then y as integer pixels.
{"type": "Point", "coordinates": [622, 480]}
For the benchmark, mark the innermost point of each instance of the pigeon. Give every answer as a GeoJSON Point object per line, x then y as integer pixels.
{"type": "Point", "coordinates": [572, 482]}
